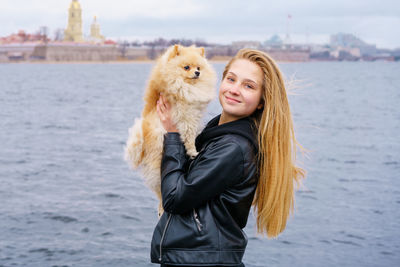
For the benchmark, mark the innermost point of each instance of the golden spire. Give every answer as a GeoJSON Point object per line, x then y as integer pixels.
{"type": "Point", "coordinates": [95, 34]}
{"type": "Point", "coordinates": [75, 4]}
{"type": "Point", "coordinates": [73, 32]}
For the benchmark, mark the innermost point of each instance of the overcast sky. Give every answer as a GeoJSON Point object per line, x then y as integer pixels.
{"type": "Point", "coordinates": [374, 21]}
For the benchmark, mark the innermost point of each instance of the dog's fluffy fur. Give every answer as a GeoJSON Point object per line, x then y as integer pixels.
{"type": "Point", "coordinates": [187, 81]}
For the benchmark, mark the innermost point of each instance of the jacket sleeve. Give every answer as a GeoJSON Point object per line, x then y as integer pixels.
{"type": "Point", "coordinates": [219, 167]}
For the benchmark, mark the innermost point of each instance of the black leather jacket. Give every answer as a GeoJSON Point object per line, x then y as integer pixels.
{"type": "Point", "coordinates": [207, 200]}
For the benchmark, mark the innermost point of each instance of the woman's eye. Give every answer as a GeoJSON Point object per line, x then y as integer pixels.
{"type": "Point", "coordinates": [249, 86]}
{"type": "Point", "coordinates": [186, 68]}
{"type": "Point", "coordinates": [230, 79]}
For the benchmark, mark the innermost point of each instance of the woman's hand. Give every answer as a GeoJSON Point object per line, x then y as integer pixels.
{"type": "Point", "coordinates": [164, 113]}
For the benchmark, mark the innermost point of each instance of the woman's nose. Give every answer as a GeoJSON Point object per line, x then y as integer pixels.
{"type": "Point", "coordinates": [234, 89]}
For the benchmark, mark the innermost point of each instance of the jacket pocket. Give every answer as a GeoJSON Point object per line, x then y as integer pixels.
{"type": "Point", "coordinates": [197, 221]}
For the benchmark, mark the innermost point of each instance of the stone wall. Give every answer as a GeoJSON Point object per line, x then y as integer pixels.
{"type": "Point", "coordinates": [16, 52]}
{"type": "Point", "coordinates": [141, 53]}
{"type": "Point", "coordinates": [289, 55]}
{"type": "Point", "coordinates": [226, 52]}
{"type": "Point", "coordinates": [3, 57]}
{"type": "Point", "coordinates": [61, 52]}
{"type": "Point", "coordinates": [92, 52]}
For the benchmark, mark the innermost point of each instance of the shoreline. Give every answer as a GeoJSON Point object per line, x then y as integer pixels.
{"type": "Point", "coordinates": [152, 61]}
{"type": "Point", "coordinates": [141, 61]}
{"type": "Point", "coordinates": [97, 62]}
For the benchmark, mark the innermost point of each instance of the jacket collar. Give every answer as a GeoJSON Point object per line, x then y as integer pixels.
{"type": "Point", "coordinates": [244, 127]}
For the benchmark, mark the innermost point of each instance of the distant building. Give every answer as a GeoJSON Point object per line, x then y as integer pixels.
{"type": "Point", "coordinates": [292, 54]}
{"type": "Point", "coordinates": [73, 33]}
{"type": "Point", "coordinates": [346, 40]}
{"type": "Point", "coordinates": [274, 41]}
{"type": "Point", "coordinates": [289, 54]}
{"type": "Point", "coordinates": [346, 53]}
{"type": "Point", "coordinates": [246, 44]}
{"type": "Point", "coordinates": [95, 35]}
{"type": "Point", "coordinates": [68, 44]}
{"type": "Point", "coordinates": [59, 35]}
{"type": "Point", "coordinates": [23, 37]}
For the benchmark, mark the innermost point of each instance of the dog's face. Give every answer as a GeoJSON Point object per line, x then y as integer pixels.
{"type": "Point", "coordinates": [188, 63]}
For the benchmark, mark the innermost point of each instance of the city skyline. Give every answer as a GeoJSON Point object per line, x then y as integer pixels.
{"type": "Point", "coordinates": [375, 22]}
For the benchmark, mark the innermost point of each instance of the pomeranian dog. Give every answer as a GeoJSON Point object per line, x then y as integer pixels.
{"type": "Point", "coordinates": [186, 80]}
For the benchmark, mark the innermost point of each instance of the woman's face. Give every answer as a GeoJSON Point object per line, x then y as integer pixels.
{"type": "Point", "coordinates": [240, 91]}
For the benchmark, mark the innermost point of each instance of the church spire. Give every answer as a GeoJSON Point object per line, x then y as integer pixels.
{"type": "Point", "coordinates": [73, 32]}
{"type": "Point", "coordinates": [95, 31]}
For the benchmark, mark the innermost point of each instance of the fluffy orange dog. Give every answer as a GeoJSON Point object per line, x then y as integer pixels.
{"type": "Point", "coordinates": [187, 82]}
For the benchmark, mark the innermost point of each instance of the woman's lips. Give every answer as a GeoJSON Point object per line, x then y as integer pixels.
{"type": "Point", "coordinates": [232, 99]}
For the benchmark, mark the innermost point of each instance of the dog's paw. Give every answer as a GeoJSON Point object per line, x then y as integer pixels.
{"type": "Point", "coordinates": [192, 153]}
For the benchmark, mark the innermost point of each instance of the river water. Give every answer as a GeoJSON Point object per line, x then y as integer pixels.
{"type": "Point", "coordinates": [68, 198]}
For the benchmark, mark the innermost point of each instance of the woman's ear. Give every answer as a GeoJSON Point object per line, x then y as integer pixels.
{"type": "Point", "coordinates": [261, 105]}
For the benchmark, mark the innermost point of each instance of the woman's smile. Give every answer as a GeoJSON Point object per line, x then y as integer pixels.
{"type": "Point", "coordinates": [231, 100]}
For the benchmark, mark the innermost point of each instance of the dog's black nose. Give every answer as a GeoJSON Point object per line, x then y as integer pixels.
{"type": "Point", "coordinates": [197, 73]}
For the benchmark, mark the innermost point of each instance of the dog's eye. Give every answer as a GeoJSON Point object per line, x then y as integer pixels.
{"type": "Point", "coordinates": [186, 68]}
{"type": "Point", "coordinates": [198, 68]}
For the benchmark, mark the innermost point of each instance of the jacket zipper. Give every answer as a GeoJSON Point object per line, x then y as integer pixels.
{"type": "Point", "coordinates": [196, 219]}
{"type": "Point", "coordinates": [162, 237]}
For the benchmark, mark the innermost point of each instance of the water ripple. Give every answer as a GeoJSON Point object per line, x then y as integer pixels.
{"type": "Point", "coordinates": [61, 218]}
{"type": "Point", "coordinates": [346, 242]}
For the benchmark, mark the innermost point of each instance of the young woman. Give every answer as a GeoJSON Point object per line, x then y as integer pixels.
{"type": "Point", "coordinates": [246, 156]}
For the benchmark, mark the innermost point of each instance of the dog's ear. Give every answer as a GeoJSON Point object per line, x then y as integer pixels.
{"type": "Point", "coordinates": [175, 51]}
{"type": "Point", "coordinates": [202, 51]}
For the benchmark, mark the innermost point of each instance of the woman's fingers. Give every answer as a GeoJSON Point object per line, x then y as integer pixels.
{"type": "Point", "coordinates": [164, 102]}
{"type": "Point", "coordinates": [164, 113]}
{"type": "Point", "coordinates": [164, 105]}
{"type": "Point", "coordinates": [159, 105]}
{"type": "Point", "coordinates": [160, 111]}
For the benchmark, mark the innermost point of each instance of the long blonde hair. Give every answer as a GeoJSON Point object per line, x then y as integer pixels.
{"type": "Point", "coordinates": [274, 197]}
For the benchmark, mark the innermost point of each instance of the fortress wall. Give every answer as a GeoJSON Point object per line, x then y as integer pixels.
{"type": "Point", "coordinates": [92, 52]}
{"type": "Point", "coordinates": [16, 52]}
{"type": "Point", "coordinates": [133, 53]}
{"type": "Point", "coordinates": [226, 52]}
{"type": "Point", "coordinates": [3, 57]}
{"type": "Point", "coordinates": [291, 55]}
{"type": "Point", "coordinates": [76, 53]}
